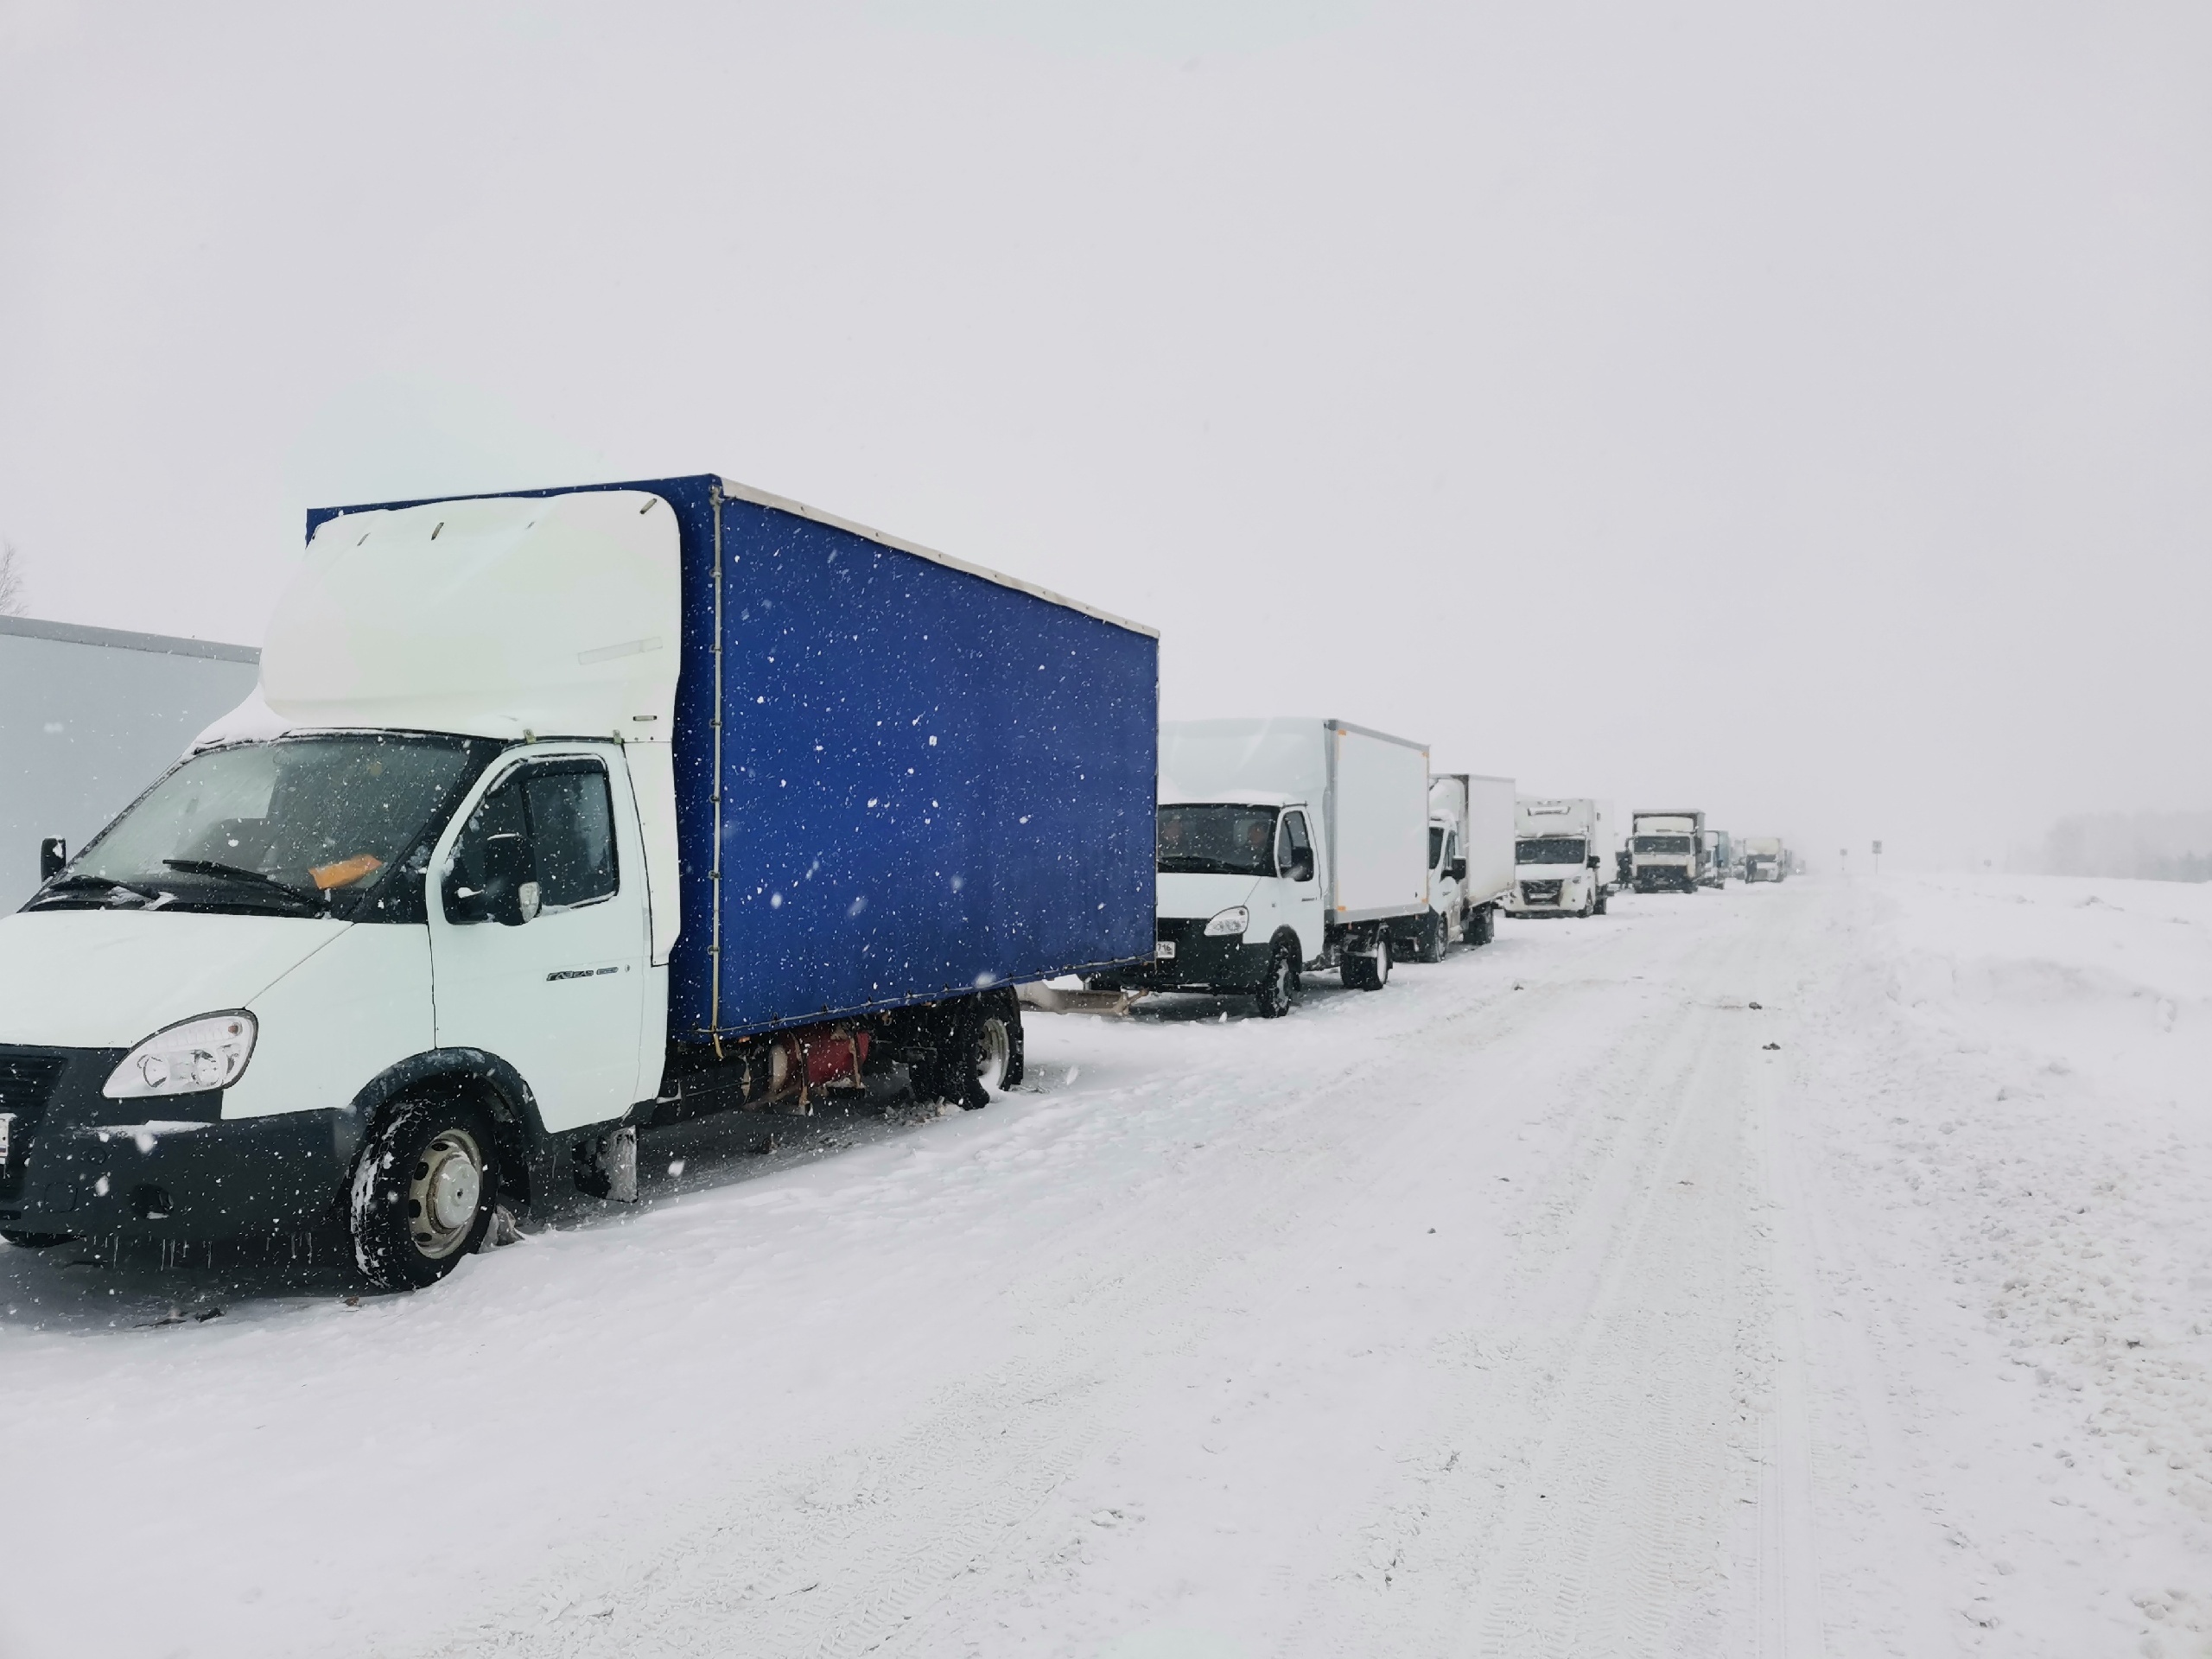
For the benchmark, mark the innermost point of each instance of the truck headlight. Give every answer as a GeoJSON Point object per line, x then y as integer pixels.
{"type": "Point", "coordinates": [209, 1052]}
{"type": "Point", "coordinates": [1234, 919]}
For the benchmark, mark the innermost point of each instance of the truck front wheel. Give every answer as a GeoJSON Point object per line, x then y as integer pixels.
{"type": "Point", "coordinates": [1435, 937]}
{"type": "Point", "coordinates": [422, 1193]}
{"type": "Point", "coordinates": [1279, 991]}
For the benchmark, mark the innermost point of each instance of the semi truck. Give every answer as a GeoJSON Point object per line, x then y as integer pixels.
{"type": "Point", "coordinates": [555, 816]}
{"type": "Point", "coordinates": [1562, 851]}
{"type": "Point", "coordinates": [1469, 861]}
{"type": "Point", "coordinates": [1667, 849]}
{"type": "Point", "coordinates": [1765, 858]}
{"type": "Point", "coordinates": [1285, 847]}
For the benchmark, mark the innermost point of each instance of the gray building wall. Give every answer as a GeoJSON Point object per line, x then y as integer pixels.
{"type": "Point", "coordinates": [88, 718]}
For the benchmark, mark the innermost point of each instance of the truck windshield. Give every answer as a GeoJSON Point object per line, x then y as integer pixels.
{"type": "Point", "coordinates": [1218, 840]}
{"type": "Point", "coordinates": [1549, 849]}
{"type": "Point", "coordinates": [301, 826]}
{"type": "Point", "coordinates": [1662, 843]}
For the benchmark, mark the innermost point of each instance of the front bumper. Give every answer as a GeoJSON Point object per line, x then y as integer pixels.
{"type": "Point", "coordinates": [1223, 963]}
{"type": "Point", "coordinates": [83, 1165]}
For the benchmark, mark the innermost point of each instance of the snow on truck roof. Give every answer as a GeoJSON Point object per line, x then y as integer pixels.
{"type": "Point", "coordinates": [733, 491]}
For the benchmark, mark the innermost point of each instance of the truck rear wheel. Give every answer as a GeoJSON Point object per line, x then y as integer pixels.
{"type": "Point", "coordinates": [424, 1192]}
{"type": "Point", "coordinates": [989, 1053]}
{"type": "Point", "coordinates": [1482, 925]}
{"type": "Point", "coordinates": [1368, 973]}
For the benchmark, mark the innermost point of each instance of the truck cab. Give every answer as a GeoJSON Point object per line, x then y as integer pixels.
{"type": "Point", "coordinates": [1240, 905]}
{"type": "Point", "coordinates": [1668, 850]}
{"type": "Point", "coordinates": [1556, 873]}
{"type": "Point", "coordinates": [1447, 919]}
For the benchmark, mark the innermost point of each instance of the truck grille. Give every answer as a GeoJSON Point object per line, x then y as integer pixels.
{"type": "Point", "coordinates": [1539, 893]}
{"type": "Point", "coordinates": [26, 1080]}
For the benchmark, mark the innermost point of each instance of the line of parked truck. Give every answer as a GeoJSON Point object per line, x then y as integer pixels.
{"type": "Point", "coordinates": [558, 816]}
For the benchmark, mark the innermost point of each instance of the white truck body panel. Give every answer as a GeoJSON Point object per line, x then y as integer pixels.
{"type": "Point", "coordinates": [1488, 842]}
{"type": "Point", "coordinates": [1379, 805]}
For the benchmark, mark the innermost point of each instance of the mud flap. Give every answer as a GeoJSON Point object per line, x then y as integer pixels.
{"type": "Point", "coordinates": [607, 1165]}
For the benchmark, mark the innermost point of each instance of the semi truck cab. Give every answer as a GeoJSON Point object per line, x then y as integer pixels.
{"type": "Point", "coordinates": [1557, 874]}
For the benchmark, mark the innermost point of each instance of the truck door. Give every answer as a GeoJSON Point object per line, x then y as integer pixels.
{"type": "Point", "coordinates": [560, 996]}
{"type": "Point", "coordinates": [1294, 858]}
{"type": "Point", "coordinates": [1445, 882]}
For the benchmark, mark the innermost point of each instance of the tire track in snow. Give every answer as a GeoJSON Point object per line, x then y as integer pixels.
{"type": "Point", "coordinates": [880, 1535]}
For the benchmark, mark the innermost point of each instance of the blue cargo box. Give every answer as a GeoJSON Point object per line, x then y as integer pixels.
{"type": "Point", "coordinates": [932, 778]}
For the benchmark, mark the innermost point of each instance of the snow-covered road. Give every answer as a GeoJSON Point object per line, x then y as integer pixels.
{"type": "Point", "coordinates": [1798, 1270]}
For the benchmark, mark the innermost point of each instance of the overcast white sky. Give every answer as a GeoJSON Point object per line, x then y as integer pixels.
{"type": "Point", "coordinates": [1804, 411]}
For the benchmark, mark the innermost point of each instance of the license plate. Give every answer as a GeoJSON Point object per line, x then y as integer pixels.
{"type": "Point", "coordinates": [1164, 950]}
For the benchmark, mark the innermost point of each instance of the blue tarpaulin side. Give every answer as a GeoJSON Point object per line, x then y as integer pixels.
{"type": "Point", "coordinates": [930, 781]}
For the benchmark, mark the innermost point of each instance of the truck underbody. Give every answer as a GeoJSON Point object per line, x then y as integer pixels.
{"type": "Point", "coordinates": [72, 1171]}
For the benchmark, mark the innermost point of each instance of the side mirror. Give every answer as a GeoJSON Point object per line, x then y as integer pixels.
{"type": "Point", "coordinates": [1301, 866]}
{"type": "Point", "coordinates": [53, 855]}
{"type": "Point", "coordinates": [511, 890]}
{"type": "Point", "coordinates": [1594, 862]}
{"type": "Point", "coordinates": [1456, 868]}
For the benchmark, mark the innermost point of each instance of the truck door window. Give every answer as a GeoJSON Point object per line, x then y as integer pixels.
{"type": "Point", "coordinates": [572, 832]}
{"type": "Point", "coordinates": [1435, 845]}
{"type": "Point", "coordinates": [1296, 851]}
{"type": "Point", "coordinates": [564, 812]}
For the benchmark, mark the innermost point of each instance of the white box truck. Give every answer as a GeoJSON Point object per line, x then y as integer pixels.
{"type": "Point", "coordinates": [1563, 855]}
{"type": "Point", "coordinates": [1765, 858]}
{"type": "Point", "coordinates": [1285, 846]}
{"type": "Point", "coordinates": [1667, 849]}
{"type": "Point", "coordinates": [1470, 863]}
{"type": "Point", "coordinates": [559, 817]}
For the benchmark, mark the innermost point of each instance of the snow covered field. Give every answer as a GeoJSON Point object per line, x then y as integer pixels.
{"type": "Point", "coordinates": [1821, 1269]}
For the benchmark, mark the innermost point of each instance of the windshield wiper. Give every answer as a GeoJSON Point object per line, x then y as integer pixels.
{"type": "Point", "coordinates": [62, 884]}
{"type": "Point", "coordinates": [209, 867]}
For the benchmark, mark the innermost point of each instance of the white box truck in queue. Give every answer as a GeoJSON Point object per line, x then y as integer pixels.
{"type": "Point", "coordinates": [1285, 846]}
{"type": "Point", "coordinates": [1764, 859]}
{"type": "Point", "coordinates": [1469, 863]}
{"type": "Point", "coordinates": [1563, 855]}
{"type": "Point", "coordinates": [559, 816]}
{"type": "Point", "coordinates": [1667, 849]}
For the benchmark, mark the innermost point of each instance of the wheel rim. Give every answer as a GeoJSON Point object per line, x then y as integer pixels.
{"type": "Point", "coordinates": [993, 1056]}
{"type": "Point", "coordinates": [1280, 987]}
{"type": "Point", "coordinates": [1383, 960]}
{"type": "Point", "coordinates": [444, 1194]}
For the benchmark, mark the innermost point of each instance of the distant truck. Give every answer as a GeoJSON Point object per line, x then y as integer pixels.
{"type": "Point", "coordinates": [1562, 847]}
{"type": "Point", "coordinates": [1720, 857]}
{"type": "Point", "coordinates": [1765, 858]}
{"type": "Point", "coordinates": [1668, 849]}
{"type": "Point", "coordinates": [1286, 846]}
{"type": "Point", "coordinates": [558, 816]}
{"type": "Point", "coordinates": [1469, 861]}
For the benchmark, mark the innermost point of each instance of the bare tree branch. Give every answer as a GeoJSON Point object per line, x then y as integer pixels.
{"type": "Point", "coordinates": [14, 600]}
